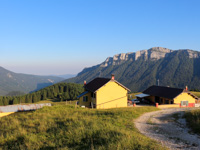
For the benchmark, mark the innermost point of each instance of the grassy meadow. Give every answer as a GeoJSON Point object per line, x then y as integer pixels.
{"type": "Point", "coordinates": [193, 120]}
{"type": "Point", "coordinates": [196, 93]}
{"type": "Point", "coordinates": [67, 127]}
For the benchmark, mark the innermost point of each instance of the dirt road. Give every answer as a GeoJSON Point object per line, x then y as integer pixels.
{"type": "Point", "coordinates": [168, 127]}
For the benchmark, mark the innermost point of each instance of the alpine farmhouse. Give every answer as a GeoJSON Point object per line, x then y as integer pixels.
{"type": "Point", "coordinates": [102, 93]}
{"type": "Point", "coordinates": [168, 95]}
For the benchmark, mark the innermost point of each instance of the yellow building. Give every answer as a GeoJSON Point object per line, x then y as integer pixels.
{"type": "Point", "coordinates": [103, 93]}
{"type": "Point", "coordinates": [168, 95]}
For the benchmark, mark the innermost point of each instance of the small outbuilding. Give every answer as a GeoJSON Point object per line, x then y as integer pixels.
{"type": "Point", "coordinates": [103, 93]}
{"type": "Point", "coordinates": [168, 95]}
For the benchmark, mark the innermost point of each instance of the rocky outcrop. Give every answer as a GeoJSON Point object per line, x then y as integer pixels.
{"type": "Point", "coordinates": [142, 69]}
{"type": "Point", "coordinates": [158, 52]}
{"type": "Point", "coordinates": [193, 54]}
{"type": "Point", "coordinates": [154, 53]}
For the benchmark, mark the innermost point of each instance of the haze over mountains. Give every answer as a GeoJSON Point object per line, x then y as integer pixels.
{"type": "Point", "coordinates": [141, 69]}
{"type": "Point", "coordinates": [65, 76]}
{"type": "Point", "coordinates": [10, 81]}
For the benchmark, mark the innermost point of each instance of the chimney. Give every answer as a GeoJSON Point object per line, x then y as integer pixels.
{"type": "Point", "coordinates": [84, 82]}
{"type": "Point", "coordinates": [112, 77]}
{"type": "Point", "coordinates": [186, 88]}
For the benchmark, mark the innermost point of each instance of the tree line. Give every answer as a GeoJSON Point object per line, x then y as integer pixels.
{"type": "Point", "coordinates": [61, 91]}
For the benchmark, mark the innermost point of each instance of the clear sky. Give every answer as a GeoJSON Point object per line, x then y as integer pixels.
{"type": "Point", "coordinates": [64, 36]}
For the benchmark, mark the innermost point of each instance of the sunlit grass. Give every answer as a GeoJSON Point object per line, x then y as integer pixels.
{"type": "Point", "coordinates": [67, 127]}
{"type": "Point", "coordinates": [193, 120]}
{"type": "Point", "coordinates": [196, 93]}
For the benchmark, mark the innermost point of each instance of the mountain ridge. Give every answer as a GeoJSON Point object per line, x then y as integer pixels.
{"type": "Point", "coordinates": [11, 81]}
{"type": "Point", "coordinates": [141, 69]}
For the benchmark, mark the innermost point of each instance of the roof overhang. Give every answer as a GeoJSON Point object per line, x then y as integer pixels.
{"type": "Point", "coordinates": [142, 95]}
{"type": "Point", "coordinates": [82, 94]}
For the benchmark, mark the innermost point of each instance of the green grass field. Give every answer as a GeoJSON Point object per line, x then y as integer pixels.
{"type": "Point", "coordinates": [66, 127]}
{"type": "Point", "coordinates": [193, 120]}
{"type": "Point", "coordinates": [196, 93]}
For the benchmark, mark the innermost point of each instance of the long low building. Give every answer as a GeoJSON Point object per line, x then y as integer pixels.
{"type": "Point", "coordinates": [17, 108]}
{"type": "Point", "coordinates": [168, 95]}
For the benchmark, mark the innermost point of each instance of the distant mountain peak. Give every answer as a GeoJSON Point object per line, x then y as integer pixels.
{"type": "Point", "coordinates": [141, 69]}
{"type": "Point", "coordinates": [160, 49]}
{"type": "Point", "coordinates": [154, 53]}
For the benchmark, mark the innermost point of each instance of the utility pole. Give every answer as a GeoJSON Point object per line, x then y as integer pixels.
{"type": "Point", "coordinates": [158, 82]}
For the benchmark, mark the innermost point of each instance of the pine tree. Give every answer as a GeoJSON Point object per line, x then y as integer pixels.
{"type": "Point", "coordinates": [1, 101]}
{"type": "Point", "coordinates": [15, 101]}
{"type": "Point", "coordinates": [34, 98]}
{"type": "Point", "coordinates": [5, 101]}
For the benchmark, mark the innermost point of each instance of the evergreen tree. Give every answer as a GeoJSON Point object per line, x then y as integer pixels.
{"type": "Point", "coordinates": [34, 98]}
{"type": "Point", "coordinates": [44, 95]}
{"type": "Point", "coordinates": [15, 101]}
{"type": "Point", "coordinates": [1, 101]}
{"type": "Point", "coordinates": [5, 101]}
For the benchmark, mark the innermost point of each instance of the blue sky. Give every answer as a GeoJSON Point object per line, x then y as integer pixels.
{"type": "Point", "coordinates": [64, 36]}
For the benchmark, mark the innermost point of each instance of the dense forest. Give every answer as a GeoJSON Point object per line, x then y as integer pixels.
{"type": "Point", "coordinates": [61, 91]}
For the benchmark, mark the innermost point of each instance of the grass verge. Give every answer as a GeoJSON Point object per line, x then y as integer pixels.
{"type": "Point", "coordinates": [64, 127]}
{"type": "Point", "coordinates": [193, 120]}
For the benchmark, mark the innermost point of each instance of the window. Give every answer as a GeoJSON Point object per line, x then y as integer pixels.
{"type": "Point", "coordinates": [184, 103]}
{"type": "Point", "coordinates": [93, 95]}
{"type": "Point", "coordinates": [85, 98]}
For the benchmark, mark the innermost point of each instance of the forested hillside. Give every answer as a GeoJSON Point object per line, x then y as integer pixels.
{"type": "Point", "coordinates": [61, 91]}
{"type": "Point", "coordinates": [138, 71]}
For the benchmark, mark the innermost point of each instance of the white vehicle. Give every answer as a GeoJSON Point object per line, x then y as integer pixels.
{"type": "Point", "coordinates": [136, 101]}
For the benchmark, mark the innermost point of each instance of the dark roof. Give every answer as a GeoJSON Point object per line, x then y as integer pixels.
{"type": "Point", "coordinates": [96, 84]}
{"type": "Point", "coordinates": [161, 91]}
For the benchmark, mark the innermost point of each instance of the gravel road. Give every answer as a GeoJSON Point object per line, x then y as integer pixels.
{"type": "Point", "coordinates": [168, 127]}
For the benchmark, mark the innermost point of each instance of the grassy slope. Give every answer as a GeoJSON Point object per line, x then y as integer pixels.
{"type": "Point", "coordinates": [64, 127]}
{"type": "Point", "coordinates": [193, 120]}
{"type": "Point", "coordinates": [196, 93]}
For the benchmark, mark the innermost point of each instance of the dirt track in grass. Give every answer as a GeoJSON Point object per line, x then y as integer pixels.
{"type": "Point", "coordinates": [168, 127]}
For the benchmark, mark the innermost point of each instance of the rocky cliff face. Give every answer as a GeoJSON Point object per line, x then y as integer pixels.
{"type": "Point", "coordinates": [193, 54]}
{"type": "Point", "coordinates": [139, 70]}
{"type": "Point", "coordinates": [154, 53]}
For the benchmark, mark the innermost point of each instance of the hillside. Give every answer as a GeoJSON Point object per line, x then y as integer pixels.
{"type": "Point", "coordinates": [10, 81]}
{"type": "Point", "coordinates": [139, 70]}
